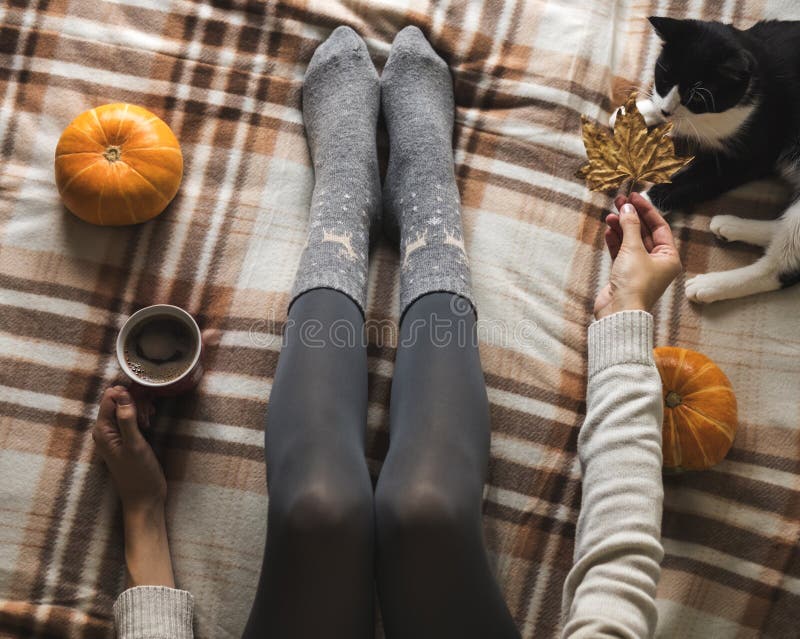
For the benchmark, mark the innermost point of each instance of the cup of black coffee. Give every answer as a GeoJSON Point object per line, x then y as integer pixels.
{"type": "Point", "coordinates": [160, 348]}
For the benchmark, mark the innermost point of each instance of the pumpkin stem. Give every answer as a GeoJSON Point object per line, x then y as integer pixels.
{"type": "Point", "coordinates": [112, 154]}
{"type": "Point", "coordinates": [673, 399]}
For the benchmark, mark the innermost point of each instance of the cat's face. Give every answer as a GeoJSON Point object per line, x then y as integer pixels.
{"type": "Point", "coordinates": [701, 68]}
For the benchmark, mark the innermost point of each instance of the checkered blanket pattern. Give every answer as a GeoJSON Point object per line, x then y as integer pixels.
{"type": "Point", "coordinates": [226, 76]}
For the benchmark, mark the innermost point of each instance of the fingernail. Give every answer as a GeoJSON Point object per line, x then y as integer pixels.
{"type": "Point", "coordinates": [124, 399]}
{"type": "Point", "coordinates": [628, 209]}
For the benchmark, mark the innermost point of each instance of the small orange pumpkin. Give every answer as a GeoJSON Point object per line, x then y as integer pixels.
{"type": "Point", "coordinates": [700, 416]}
{"type": "Point", "coordinates": [118, 164]}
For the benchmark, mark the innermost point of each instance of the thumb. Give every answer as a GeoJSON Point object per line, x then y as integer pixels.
{"type": "Point", "coordinates": [631, 228]}
{"type": "Point", "coordinates": [126, 419]}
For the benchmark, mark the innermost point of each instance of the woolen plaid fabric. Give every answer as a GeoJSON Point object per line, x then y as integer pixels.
{"type": "Point", "coordinates": [226, 76]}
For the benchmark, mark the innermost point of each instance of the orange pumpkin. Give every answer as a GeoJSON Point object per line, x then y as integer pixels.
{"type": "Point", "coordinates": [118, 164]}
{"type": "Point", "coordinates": [699, 409]}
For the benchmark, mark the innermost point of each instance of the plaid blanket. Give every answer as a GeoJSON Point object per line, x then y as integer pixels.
{"type": "Point", "coordinates": [226, 76]}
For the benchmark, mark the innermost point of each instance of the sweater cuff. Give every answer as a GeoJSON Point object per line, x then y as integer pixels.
{"type": "Point", "coordinates": [622, 338]}
{"type": "Point", "coordinates": [150, 612]}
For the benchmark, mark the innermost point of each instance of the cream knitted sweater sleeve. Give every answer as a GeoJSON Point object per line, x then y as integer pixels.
{"type": "Point", "coordinates": [610, 591]}
{"type": "Point", "coordinates": [154, 612]}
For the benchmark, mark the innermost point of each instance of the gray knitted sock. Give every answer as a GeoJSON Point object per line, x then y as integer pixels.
{"type": "Point", "coordinates": [420, 195]}
{"type": "Point", "coordinates": [341, 99]}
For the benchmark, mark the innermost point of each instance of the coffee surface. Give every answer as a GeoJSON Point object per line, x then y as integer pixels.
{"type": "Point", "coordinates": [160, 349]}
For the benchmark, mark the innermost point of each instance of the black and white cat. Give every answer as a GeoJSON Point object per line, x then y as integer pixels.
{"type": "Point", "coordinates": [734, 95]}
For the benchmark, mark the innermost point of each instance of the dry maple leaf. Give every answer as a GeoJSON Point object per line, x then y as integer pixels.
{"type": "Point", "coordinates": [630, 153]}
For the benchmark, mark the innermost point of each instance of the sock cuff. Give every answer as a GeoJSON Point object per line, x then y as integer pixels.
{"type": "Point", "coordinates": [436, 283]}
{"type": "Point", "coordinates": [330, 281]}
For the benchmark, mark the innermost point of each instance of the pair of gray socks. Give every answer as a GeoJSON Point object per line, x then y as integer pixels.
{"type": "Point", "coordinates": [342, 95]}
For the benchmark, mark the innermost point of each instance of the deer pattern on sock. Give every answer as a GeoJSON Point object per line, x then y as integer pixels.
{"type": "Point", "coordinates": [413, 245]}
{"type": "Point", "coordinates": [421, 196]}
{"type": "Point", "coordinates": [458, 242]}
{"type": "Point", "coordinates": [422, 240]}
{"type": "Point", "coordinates": [341, 103]}
{"type": "Point", "coordinates": [344, 239]}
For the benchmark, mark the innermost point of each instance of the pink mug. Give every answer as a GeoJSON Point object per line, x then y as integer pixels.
{"type": "Point", "coordinates": [183, 382]}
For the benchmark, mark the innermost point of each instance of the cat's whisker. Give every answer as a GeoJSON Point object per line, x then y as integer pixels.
{"type": "Point", "coordinates": [700, 137]}
{"type": "Point", "coordinates": [642, 92]}
{"type": "Point", "coordinates": [696, 133]}
{"type": "Point", "coordinates": [703, 98]}
{"type": "Point", "coordinates": [710, 95]}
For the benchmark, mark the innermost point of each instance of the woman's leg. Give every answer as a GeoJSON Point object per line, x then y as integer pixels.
{"type": "Point", "coordinates": [317, 579]}
{"type": "Point", "coordinates": [434, 576]}
{"type": "Point", "coordinates": [433, 573]}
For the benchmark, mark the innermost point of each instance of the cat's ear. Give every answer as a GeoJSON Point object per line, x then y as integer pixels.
{"type": "Point", "coordinates": [667, 28]}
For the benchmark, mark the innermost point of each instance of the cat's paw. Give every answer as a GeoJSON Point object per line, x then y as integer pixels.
{"type": "Point", "coordinates": [648, 110]}
{"type": "Point", "coordinates": [710, 287]}
{"type": "Point", "coordinates": [727, 228]}
{"type": "Point", "coordinates": [650, 113]}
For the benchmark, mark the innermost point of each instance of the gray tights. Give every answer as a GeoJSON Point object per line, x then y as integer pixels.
{"type": "Point", "coordinates": [331, 538]}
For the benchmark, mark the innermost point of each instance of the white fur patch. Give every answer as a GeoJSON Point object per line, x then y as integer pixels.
{"type": "Point", "coordinates": [725, 285]}
{"type": "Point", "coordinates": [711, 130]}
{"type": "Point", "coordinates": [738, 229]}
{"type": "Point", "coordinates": [646, 108]}
{"type": "Point", "coordinates": [650, 112]}
{"type": "Point", "coordinates": [668, 103]}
